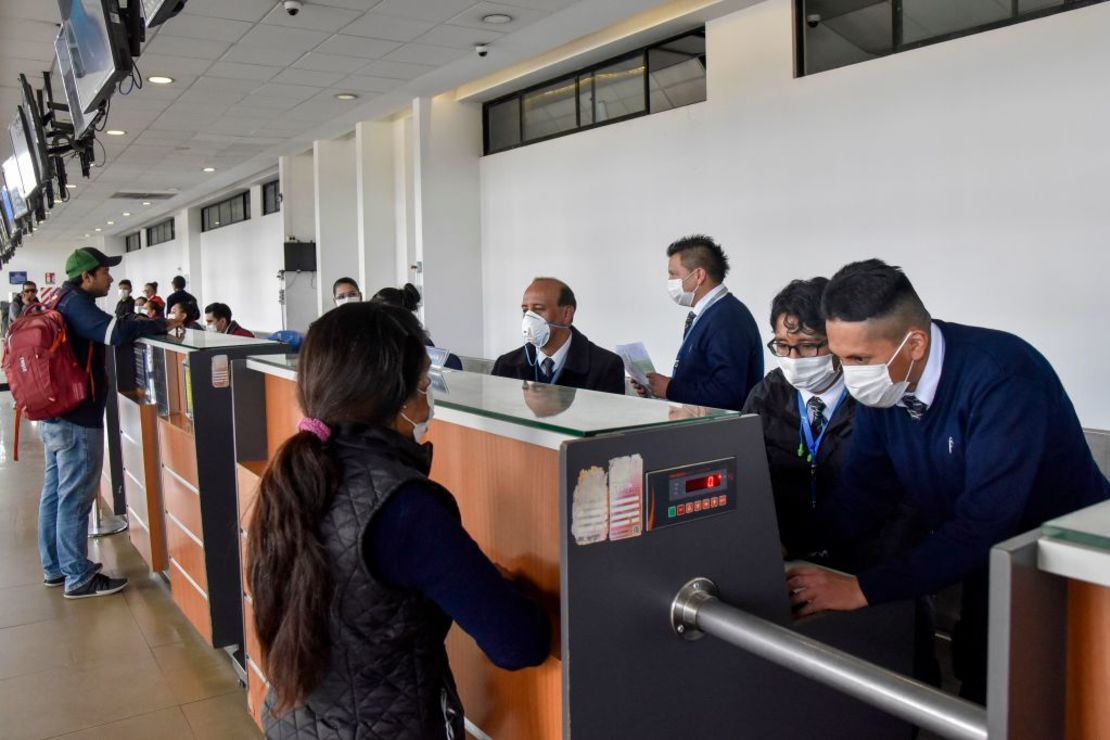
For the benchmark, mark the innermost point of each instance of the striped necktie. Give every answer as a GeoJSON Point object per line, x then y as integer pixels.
{"type": "Point", "coordinates": [689, 322]}
{"type": "Point", "coordinates": [915, 407]}
{"type": "Point", "coordinates": [546, 368]}
{"type": "Point", "coordinates": [817, 413]}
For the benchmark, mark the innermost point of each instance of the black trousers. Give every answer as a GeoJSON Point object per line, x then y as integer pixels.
{"type": "Point", "coordinates": [969, 638]}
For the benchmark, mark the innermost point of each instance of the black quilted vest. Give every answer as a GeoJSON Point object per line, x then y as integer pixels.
{"type": "Point", "coordinates": [387, 675]}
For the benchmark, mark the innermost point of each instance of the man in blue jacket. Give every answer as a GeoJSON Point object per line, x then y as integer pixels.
{"type": "Point", "coordinates": [721, 357]}
{"type": "Point", "coordinates": [973, 425]}
{"type": "Point", "coordinates": [74, 442]}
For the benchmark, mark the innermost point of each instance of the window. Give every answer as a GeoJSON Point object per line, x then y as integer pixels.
{"type": "Point", "coordinates": [271, 198]}
{"type": "Point", "coordinates": [132, 242]}
{"type": "Point", "coordinates": [836, 33]}
{"type": "Point", "coordinates": [660, 77]}
{"type": "Point", "coordinates": [159, 233]}
{"type": "Point", "coordinates": [227, 212]}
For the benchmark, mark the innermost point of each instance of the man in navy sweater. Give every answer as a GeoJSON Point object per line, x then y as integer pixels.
{"type": "Point", "coordinates": [971, 424]}
{"type": "Point", "coordinates": [721, 357]}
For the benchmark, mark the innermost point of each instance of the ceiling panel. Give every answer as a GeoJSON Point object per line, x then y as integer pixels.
{"type": "Point", "coordinates": [436, 11]}
{"type": "Point", "coordinates": [243, 10]}
{"type": "Point", "coordinates": [389, 27]}
{"type": "Point", "coordinates": [201, 27]}
{"type": "Point", "coordinates": [314, 60]}
{"type": "Point", "coordinates": [356, 46]}
{"type": "Point", "coordinates": [397, 70]}
{"type": "Point", "coordinates": [472, 17]}
{"type": "Point", "coordinates": [235, 70]}
{"type": "Point", "coordinates": [312, 16]}
{"type": "Point", "coordinates": [308, 77]}
{"type": "Point", "coordinates": [458, 37]}
{"type": "Point", "coordinates": [425, 54]}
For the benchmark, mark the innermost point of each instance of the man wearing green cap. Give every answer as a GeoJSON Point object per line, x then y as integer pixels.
{"type": "Point", "coordinates": [74, 442]}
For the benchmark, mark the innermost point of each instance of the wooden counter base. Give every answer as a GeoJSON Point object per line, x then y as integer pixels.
{"type": "Point", "coordinates": [1088, 702]}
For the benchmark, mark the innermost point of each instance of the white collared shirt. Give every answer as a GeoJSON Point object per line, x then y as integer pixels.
{"type": "Point", "coordinates": [829, 397]}
{"type": "Point", "coordinates": [708, 300]}
{"type": "Point", "coordinates": [926, 389]}
{"type": "Point", "coordinates": [559, 358]}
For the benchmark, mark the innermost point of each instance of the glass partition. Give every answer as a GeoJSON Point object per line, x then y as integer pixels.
{"type": "Point", "coordinates": [570, 411]}
{"type": "Point", "coordinates": [1090, 526]}
{"type": "Point", "coordinates": [192, 340]}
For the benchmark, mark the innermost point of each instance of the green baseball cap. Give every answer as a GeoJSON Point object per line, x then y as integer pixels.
{"type": "Point", "coordinates": [88, 259]}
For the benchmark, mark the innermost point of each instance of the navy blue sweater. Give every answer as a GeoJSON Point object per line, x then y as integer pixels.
{"type": "Point", "coordinates": [415, 542]}
{"type": "Point", "coordinates": [721, 359]}
{"type": "Point", "coordinates": [999, 452]}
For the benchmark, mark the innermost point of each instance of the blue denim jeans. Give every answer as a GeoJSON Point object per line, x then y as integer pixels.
{"type": "Point", "coordinates": [74, 455]}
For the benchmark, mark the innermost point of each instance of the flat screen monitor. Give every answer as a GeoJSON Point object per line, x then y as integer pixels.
{"type": "Point", "coordinates": [300, 256]}
{"type": "Point", "coordinates": [7, 213]}
{"type": "Point", "coordinates": [36, 134]}
{"type": "Point", "coordinates": [21, 150]}
{"type": "Point", "coordinates": [15, 188]}
{"type": "Point", "coordinates": [98, 48]}
{"type": "Point", "coordinates": [80, 121]}
{"type": "Point", "coordinates": [157, 12]}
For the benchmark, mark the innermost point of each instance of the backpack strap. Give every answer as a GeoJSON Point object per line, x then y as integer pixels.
{"type": "Point", "coordinates": [18, 416]}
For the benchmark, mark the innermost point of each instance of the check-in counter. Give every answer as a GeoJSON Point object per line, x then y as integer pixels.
{"type": "Point", "coordinates": [606, 505]}
{"type": "Point", "coordinates": [178, 469]}
{"type": "Point", "coordinates": [1050, 630]}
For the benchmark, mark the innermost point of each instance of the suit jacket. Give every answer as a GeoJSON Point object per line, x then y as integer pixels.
{"type": "Point", "coordinates": [587, 366]}
{"type": "Point", "coordinates": [721, 359]}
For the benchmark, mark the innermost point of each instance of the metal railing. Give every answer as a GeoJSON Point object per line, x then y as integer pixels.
{"type": "Point", "coordinates": [696, 611]}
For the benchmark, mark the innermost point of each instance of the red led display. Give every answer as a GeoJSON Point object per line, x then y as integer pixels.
{"type": "Point", "coordinates": [704, 483]}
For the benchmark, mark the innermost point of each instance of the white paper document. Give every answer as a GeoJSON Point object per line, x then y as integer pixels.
{"type": "Point", "coordinates": [637, 362]}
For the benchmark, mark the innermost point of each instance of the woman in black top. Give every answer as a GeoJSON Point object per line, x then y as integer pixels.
{"type": "Point", "coordinates": [358, 562]}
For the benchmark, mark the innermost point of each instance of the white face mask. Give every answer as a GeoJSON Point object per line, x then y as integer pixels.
{"type": "Point", "coordinates": [212, 328]}
{"type": "Point", "coordinates": [679, 294]}
{"type": "Point", "coordinates": [536, 330]}
{"type": "Point", "coordinates": [420, 429]}
{"type": "Point", "coordinates": [872, 386]}
{"type": "Point", "coordinates": [141, 310]}
{"type": "Point", "coordinates": [810, 374]}
{"type": "Point", "coordinates": [124, 294]}
{"type": "Point", "coordinates": [346, 299]}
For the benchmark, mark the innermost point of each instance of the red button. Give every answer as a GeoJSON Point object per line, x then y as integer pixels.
{"type": "Point", "coordinates": [723, 500]}
{"type": "Point", "coordinates": [697, 506]}
{"type": "Point", "coordinates": [682, 509]}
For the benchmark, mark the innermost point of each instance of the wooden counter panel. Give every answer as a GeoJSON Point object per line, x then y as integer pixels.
{"type": "Point", "coordinates": [130, 417]}
{"type": "Point", "coordinates": [283, 411]}
{"type": "Point", "coordinates": [140, 537]}
{"type": "Point", "coordinates": [187, 554]}
{"type": "Point", "coordinates": [1088, 681]}
{"type": "Point", "coordinates": [247, 476]}
{"type": "Point", "coordinates": [183, 503]}
{"type": "Point", "coordinates": [256, 691]}
{"type": "Point", "coordinates": [133, 459]}
{"type": "Point", "coordinates": [508, 493]}
{"type": "Point", "coordinates": [192, 603]}
{"type": "Point", "coordinates": [179, 452]}
{"type": "Point", "coordinates": [254, 650]}
{"type": "Point", "coordinates": [136, 497]}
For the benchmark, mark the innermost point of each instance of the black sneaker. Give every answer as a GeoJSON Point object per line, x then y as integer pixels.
{"type": "Point", "coordinates": [100, 585]}
{"type": "Point", "coordinates": [61, 580]}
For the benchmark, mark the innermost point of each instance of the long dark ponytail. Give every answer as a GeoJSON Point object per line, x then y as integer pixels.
{"type": "Point", "coordinates": [358, 364]}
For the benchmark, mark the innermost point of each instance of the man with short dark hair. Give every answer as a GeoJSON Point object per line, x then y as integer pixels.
{"type": "Point", "coordinates": [28, 295]}
{"type": "Point", "coordinates": [554, 351]}
{"type": "Point", "coordinates": [126, 304]}
{"type": "Point", "coordinates": [217, 318]}
{"type": "Point", "coordinates": [721, 356]}
{"type": "Point", "coordinates": [179, 293]}
{"type": "Point", "coordinates": [972, 425]}
{"type": "Point", "coordinates": [74, 442]}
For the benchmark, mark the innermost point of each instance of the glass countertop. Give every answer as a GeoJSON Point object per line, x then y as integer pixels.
{"type": "Point", "coordinates": [570, 411]}
{"type": "Point", "coordinates": [192, 340]}
{"type": "Point", "coordinates": [1090, 526]}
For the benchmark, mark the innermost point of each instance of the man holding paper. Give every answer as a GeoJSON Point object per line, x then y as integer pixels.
{"type": "Point", "coordinates": [721, 356]}
{"type": "Point", "coordinates": [554, 351]}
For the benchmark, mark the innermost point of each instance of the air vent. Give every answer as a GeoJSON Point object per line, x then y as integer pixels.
{"type": "Point", "coordinates": [124, 195]}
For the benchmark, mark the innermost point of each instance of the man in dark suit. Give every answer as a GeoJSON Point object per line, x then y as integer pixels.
{"type": "Point", "coordinates": [721, 357]}
{"type": "Point", "coordinates": [554, 351]}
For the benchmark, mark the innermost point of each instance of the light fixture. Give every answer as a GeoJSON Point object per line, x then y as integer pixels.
{"type": "Point", "coordinates": [209, 169]}
{"type": "Point", "coordinates": [115, 132]}
{"type": "Point", "coordinates": [111, 223]}
{"type": "Point", "coordinates": [159, 80]}
{"type": "Point", "coordinates": [70, 186]}
{"type": "Point", "coordinates": [86, 236]}
{"type": "Point", "coordinates": [125, 213]}
{"type": "Point", "coordinates": [146, 202]}
{"type": "Point", "coordinates": [497, 19]}
{"type": "Point", "coordinates": [346, 96]}
{"type": "Point", "coordinates": [97, 230]}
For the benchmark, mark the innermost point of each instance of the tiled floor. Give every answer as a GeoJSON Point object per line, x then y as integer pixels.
{"type": "Point", "coordinates": [123, 667]}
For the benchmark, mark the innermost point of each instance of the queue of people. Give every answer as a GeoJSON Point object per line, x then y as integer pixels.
{"type": "Point", "coordinates": [901, 449]}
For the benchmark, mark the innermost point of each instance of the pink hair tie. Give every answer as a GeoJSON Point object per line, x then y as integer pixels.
{"type": "Point", "coordinates": [317, 427]}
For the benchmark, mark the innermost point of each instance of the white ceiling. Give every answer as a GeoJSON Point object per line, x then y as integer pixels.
{"type": "Point", "coordinates": [252, 83]}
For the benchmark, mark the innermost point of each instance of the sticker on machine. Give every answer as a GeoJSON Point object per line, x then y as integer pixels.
{"type": "Point", "coordinates": [626, 497]}
{"type": "Point", "coordinates": [589, 512]}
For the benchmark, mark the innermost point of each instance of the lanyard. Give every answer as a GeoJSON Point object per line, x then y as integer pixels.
{"type": "Point", "coordinates": [536, 368]}
{"type": "Point", "coordinates": [807, 446]}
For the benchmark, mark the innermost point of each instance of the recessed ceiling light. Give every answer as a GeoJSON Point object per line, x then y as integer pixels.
{"type": "Point", "coordinates": [115, 132]}
{"type": "Point", "coordinates": [86, 236]}
{"type": "Point", "coordinates": [125, 213]}
{"type": "Point", "coordinates": [209, 169]}
{"type": "Point", "coordinates": [146, 202]}
{"type": "Point", "coordinates": [159, 80]}
{"type": "Point", "coordinates": [111, 223]}
{"type": "Point", "coordinates": [497, 19]}
{"type": "Point", "coordinates": [70, 186]}
{"type": "Point", "coordinates": [96, 230]}
{"type": "Point", "coordinates": [346, 96]}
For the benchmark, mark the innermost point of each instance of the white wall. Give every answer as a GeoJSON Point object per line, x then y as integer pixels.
{"type": "Point", "coordinates": [979, 165]}
{"type": "Point", "coordinates": [158, 264]}
{"type": "Point", "coordinates": [37, 257]}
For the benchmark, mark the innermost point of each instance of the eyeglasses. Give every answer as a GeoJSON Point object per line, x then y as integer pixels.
{"type": "Point", "coordinates": [805, 349]}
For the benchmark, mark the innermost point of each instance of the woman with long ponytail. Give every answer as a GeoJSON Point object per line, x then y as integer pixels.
{"type": "Point", "coordinates": [357, 562]}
